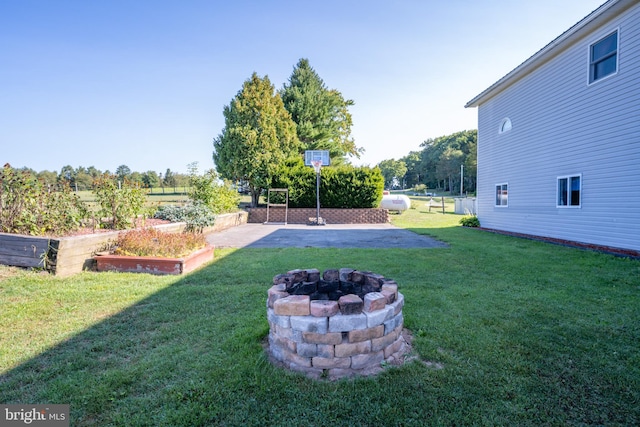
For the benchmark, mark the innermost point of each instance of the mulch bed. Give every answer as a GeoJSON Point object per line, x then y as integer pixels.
{"type": "Point", "coordinates": [140, 223]}
{"type": "Point", "coordinates": [629, 253]}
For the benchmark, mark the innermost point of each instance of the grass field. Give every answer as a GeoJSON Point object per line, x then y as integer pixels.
{"type": "Point", "coordinates": [154, 198]}
{"type": "Point", "coordinates": [516, 332]}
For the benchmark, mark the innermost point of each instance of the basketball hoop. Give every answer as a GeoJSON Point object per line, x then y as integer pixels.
{"type": "Point", "coordinates": [317, 158]}
{"type": "Point", "coordinates": [317, 164]}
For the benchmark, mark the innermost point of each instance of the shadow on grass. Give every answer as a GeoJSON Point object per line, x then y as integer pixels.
{"type": "Point", "coordinates": [156, 354]}
{"type": "Point", "coordinates": [191, 354]}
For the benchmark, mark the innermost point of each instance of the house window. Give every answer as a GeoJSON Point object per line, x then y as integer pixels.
{"type": "Point", "coordinates": [569, 188]}
{"type": "Point", "coordinates": [502, 192]}
{"type": "Point", "coordinates": [603, 57]}
{"type": "Point", "coordinates": [505, 125]}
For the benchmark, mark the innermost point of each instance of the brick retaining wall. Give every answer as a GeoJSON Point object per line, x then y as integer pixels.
{"type": "Point", "coordinates": [330, 215]}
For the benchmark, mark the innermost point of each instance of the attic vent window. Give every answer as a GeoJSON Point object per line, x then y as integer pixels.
{"type": "Point", "coordinates": [505, 125]}
{"type": "Point", "coordinates": [603, 57]}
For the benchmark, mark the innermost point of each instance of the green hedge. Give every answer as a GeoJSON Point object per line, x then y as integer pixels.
{"type": "Point", "coordinates": [340, 187]}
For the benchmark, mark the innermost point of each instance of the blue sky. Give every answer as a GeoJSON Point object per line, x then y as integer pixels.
{"type": "Point", "coordinates": [144, 82]}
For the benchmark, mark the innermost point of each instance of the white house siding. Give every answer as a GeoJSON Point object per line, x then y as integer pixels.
{"type": "Point", "coordinates": [563, 126]}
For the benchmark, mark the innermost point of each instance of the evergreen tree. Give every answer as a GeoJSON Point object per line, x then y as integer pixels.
{"type": "Point", "coordinates": [169, 180]}
{"type": "Point", "coordinates": [122, 172]}
{"type": "Point", "coordinates": [258, 137]}
{"type": "Point", "coordinates": [321, 115]}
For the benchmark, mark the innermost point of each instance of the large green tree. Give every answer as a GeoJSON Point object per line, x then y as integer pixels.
{"type": "Point", "coordinates": [150, 179]}
{"type": "Point", "coordinates": [122, 172]}
{"type": "Point", "coordinates": [95, 173]}
{"type": "Point", "coordinates": [169, 179]}
{"type": "Point", "coordinates": [258, 137]}
{"type": "Point", "coordinates": [442, 156]}
{"type": "Point", "coordinates": [68, 174]}
{"type": "Point", "coordinates": [322, 115]}
{"type": "Point", "coordinates": [393, 172]}
{"type": "Point", "coordinates": [48, 178]}
{"type": "Point", "coordinates": [448, 167]}
{"type": "Point", "coordinates": [413, 175]}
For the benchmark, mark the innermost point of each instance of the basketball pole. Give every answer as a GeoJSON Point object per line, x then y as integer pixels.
{"type": "Point", "coordinates": [317, 159]}
{"type": "Point", "coordinates": [317, 166]}
{"type": "Point", "coordinates": [318, 197]}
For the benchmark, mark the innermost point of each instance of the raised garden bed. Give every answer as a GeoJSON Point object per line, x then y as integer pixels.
{"type": "Point", "coordinates": [153, 265]}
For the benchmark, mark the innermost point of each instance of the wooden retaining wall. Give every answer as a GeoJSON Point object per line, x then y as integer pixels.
{"type": "Point", "coordinates": [71, 255]}
{"type": "Point", "coordinates": [23, 251]}
{"type": "Point", "coordinates": [66, 256]}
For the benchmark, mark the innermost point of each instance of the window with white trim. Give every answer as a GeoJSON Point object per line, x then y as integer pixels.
{"type": "Point", "coordinates": [505, 125]}
{"type": "Point", "coordinates": [603, 57]}
{"type": "Point", "coordinates": [502, 194]}
{"type": "Point", "coordinates": [569, 189]}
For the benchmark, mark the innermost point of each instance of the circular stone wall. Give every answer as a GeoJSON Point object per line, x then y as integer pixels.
{"type": "Point", "coordinates": [342, 323]}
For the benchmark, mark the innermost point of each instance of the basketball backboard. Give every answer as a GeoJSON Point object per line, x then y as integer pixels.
{"type": "Point", "coordinates": [315, 155]}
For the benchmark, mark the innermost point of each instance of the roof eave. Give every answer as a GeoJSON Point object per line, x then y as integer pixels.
{"type": "Point", "coordinates": [599, 16]}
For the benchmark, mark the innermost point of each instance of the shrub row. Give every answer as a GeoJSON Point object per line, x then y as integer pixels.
{"type": "Point", "coordinates": [340, 187]}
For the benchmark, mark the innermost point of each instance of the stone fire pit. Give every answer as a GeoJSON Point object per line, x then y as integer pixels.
{"type": "Point", "coordinates": [339, 324]}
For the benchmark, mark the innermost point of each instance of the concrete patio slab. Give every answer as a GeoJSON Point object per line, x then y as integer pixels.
{"type": "Point", "coordinates": [324, 236]}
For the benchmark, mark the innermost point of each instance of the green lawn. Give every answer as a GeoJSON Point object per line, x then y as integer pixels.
{"type": "Point", "coordinates": [515, 332]}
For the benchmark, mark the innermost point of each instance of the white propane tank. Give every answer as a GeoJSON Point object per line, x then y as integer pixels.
{"type": "Point", "coordinates": [394, 202]}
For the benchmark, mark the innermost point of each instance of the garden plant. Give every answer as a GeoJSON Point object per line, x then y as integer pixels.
{"type": "Point", "coordinates": [120, 201]}
{"type": "Point", "coordinates": [151, 242]}
{"type": "Point", "coordinates": [29, 206]}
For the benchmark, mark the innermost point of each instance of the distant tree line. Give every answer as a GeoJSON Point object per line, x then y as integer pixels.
{"type": "Point", "coordinates": [437, 166]}
{"type": "Point", "coordinates": [82, 178]}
